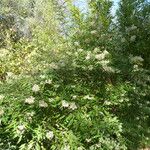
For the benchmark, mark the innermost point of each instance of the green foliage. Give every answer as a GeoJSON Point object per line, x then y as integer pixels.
{"type": "Point", "coordinates": [71, 80]}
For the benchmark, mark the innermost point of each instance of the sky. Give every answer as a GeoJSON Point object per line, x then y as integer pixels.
{"type": "Point", "coordinates": [115, 6]}
{"type": "Point", "coordinates": [83, 5]}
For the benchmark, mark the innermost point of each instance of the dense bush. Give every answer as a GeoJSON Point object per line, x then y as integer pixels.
{"type": "Point", "coordinates": [77, 81]}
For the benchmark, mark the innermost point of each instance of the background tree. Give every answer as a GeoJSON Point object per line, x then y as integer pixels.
{"type": "Point", "coordinates": [133, 20]}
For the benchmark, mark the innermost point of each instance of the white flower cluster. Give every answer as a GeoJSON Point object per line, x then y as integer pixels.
{"type": "Point", "coordinates": [107, 102]}
{"type": "Point", "coordinates": [49, 135]}
{"type": "Point", "coordinates": [35, 88]}
{"type": "Point", "coordinates": [135, 68]}
{"type": "Point", "coordinates": [93, 32]}
{"type": "Point", "coordinates": [10, 74]}
{"type": "Point", "coordinates": [108, 69]}
{"type": "Point", "coordinates": [43, 104]}
{"type": "Point", "coordinates": [2, 97]}
{"type": "Point", "coordinates": [88, 140]}
{"type": "Point", "coordinates": [88, 97]}
{"type": "Point", "coordinates": [1, 111]}
{"type": "Point", "coordinates": [48, 81]}
{"type": "Point", "coordinates": [74, 97]}
{"type": "Point", "coordinates": [21, 129]}
{"type": "Point", "coordinates": [76, 43]}
{"type": "Point", "coordinates": [10, 77]}
{"type": "Point", "coordinates": [136, 59]}
{"type": "Point", "coordinates": [70, 105]}
{"type": "Point", "coordinates": [30, 115]}
{"type": "Point", "coordinates": [3, 53]}
{"type": "Point", "coordinates": [133, 27]}
{"type": "Point", "coordinates": [90, 67]}
{"type": "Point", "coordinates": [102, 55]}
{"type": "Point", "coordinates": [67, 147]}
{"type": "Point", "coordinates": [96, 50]}
{"type": "Point", "coordinates": [88, 56]}
{"type": "Point", "coordinates": [53, 65]}
{"type": "Point", "coordinates": [65, 104]}
{"type": "Point", "coordinates": [133, 38]}
{"type": "Point", "coordinates": [97, 55]}
{"type": "Point", "coordinates": [80, 50]}
{"type": "Point", "coordinates": [30, 100]}
{"type": "Point", "coordinates": [51, 99]}
{"type": "Point", "coordinates": [42, 76]}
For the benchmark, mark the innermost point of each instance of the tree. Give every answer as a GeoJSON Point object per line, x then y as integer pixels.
{"type": "Point", "coordinates": [133, 20]}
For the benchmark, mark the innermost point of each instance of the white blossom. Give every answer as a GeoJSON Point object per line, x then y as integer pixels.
{"type": "Point", "coordinates": [69, 53]}
{"type": "Point", "coordinates": [56, 86]}
{"type": "Point", "coordinates": [133, 27]}
{"type": "Point", "coordinates": [100, 56]}
{"type": "Point", "coordinates": [76, 43]}
{"type": "Point", "coordinates": [42, 76]}
{"type": "Point", "coordinates": [1, 111]}
{"type": "Point", "coordinates": [2, 97]}
{"type": "Point", "coordinates": [43, 104]}
{"type": "Point", "coordinates": [72, 106]}
{"type": "Point", "coordinates": [107, 103]}
{"type": "Point", "coordinates": [96, 50]}
{"type": "Point", "coordinates": [137, 59]}
{"type": "Point", "coordinates": [30, 115]}
{"type": "Point", "coordinates": [88, 56]}
{"type": "Point", "coordinates": [51, 100]}
{"type": "Point", "coordinates": [135, 68]}
{"type": "Point", "coordinates": [74, 97]}
{"type": "Point", "coordinates": [65, 104]}
{"type": "Point", "coordinates": [80, 50]}
{"type": "Point", "coordinates": [48, 81]}
{"type": "Point", "coordinates": [10, 74]}
{"type": "Point", "coordinates": [20, 129]}
{"type": "Point", "coordinates": [30, 100]}
{"type": "Point", "coordinates": [105, 62]}
{"type": "Point", "coordinates": [147, 138]}
{"type": "Point", "coordinates": [93, 32]}
{"type": "Point", "coordinates": [105, 52]}
{"type": "Point", "coordinates": [88, 97]}
{"type": "Point", "coordinates": [67, 147]}
{"type": "Point", "coordinates": [76, 53]}
{"type": "Point", "coordinates": [4, 53]}
{"type": "Point", "coordinates": [35, 88]}
{"type": "Point", "coordinates": [132, 39]}
{"type": "Point", "coordinates": [90, 67]}
{"type": "Point", "coordinates": [73, 86]}
{"type": "Point", "coordinates": [50, 135]}
{"type": "Point", "coordinates": [108, 69]}
{"type": "Point", "coordinates": [88, 140]}
{"type": "Point", "coordinates": [54, 65]}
